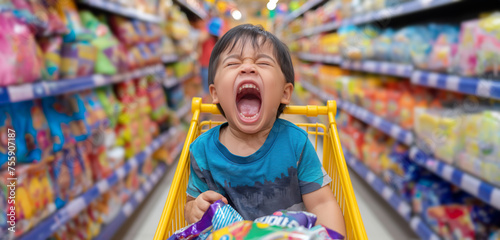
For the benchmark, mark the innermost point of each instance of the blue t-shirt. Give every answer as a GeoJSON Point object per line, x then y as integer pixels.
{"type": "Point", "coordinates": [273, 178]}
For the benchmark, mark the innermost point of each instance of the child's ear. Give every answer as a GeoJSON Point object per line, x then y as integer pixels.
{"type": "Point", "coordinates": [287, 93]}
{"type": "Point", "coordinates": [213, 93]}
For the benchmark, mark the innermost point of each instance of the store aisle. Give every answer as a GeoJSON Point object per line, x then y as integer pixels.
{"type": "Point", "coordinates": [142, 224]}
{"type": "Point", "coordinates": [380, 220]}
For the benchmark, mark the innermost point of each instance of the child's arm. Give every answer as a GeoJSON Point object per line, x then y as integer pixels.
{"type": "Point", "coordinates": [196, 207]}
{"type": "Point", "coordinates": [323, 204]}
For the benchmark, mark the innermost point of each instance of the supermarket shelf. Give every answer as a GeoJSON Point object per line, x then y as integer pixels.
{"type": "Point", "coordinates": [324, 58]}
{"type": "Point", "coordinates": [388, 194]}
{"type": "Point", "coordinates": [396, 11]}
{"type": "Point", "coordinates": [170, 82]}
{"type": "Point", "coordinates": [198, 12]}
{"type": "Point", "coordinates": [386, 13]}
{"type": "Point", "coordinates": [47, 227]}
{"type": "Point", "coordinates": [170, 58]}
{"type": "Point", "coordinates": [301, 10]}
{"type": "Point", "coordinates": [42, 89]}
{"type": "Point", "coordinates": [467, 85]}
{"type": "Point", "coordinates": [117, 8]}
{"type": "Point", "coordinates": [474, 86]}
{"type": "Point", "coordinates": [473, 185]}
{"type": "Point", "coordinates": [387, 68]}
{"type": "Point", "coordinates": [128, 209]}
{"type": "Point", "coordinates": [327, 27]}
{"type": "Point", "coordinates": [364, 115]}
{"type": "Point", "coordinates": [184, 110]}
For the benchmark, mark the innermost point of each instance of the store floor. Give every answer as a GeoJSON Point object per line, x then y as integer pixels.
{"type": "Point", "coordinates": [380, 220]}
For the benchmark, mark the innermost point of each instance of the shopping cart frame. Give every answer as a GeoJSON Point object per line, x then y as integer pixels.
{"type": "Point", "coordinates": [172, 217]}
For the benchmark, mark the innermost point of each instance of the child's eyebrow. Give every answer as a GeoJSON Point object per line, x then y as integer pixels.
{"type": "Point", "coordinates": [262, 55]}
{"type": "Point", "coordinates": [231, 56]}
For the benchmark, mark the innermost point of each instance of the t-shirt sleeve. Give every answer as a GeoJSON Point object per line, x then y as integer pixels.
{"type": "Point", "coordinates": [311, 174]}
{"type": "Point", "coordinates": [197, 183]}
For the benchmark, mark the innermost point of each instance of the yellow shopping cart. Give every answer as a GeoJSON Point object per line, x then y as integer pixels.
{"type": "Point", "coordinates": [172, 217]}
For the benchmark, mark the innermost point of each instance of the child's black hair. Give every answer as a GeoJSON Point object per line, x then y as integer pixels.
{"type": "Point", "coordinates": [258, 37]}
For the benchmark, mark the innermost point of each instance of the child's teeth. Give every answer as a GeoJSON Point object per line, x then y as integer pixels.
{"type": "Point", "coordinates": [247, 86]}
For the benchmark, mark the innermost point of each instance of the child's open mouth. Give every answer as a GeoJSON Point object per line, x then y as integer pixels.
{"type": "Point", "coordinates": [248, 102]}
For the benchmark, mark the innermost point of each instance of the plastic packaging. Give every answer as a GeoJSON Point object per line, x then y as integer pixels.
{"type": "Point", "coordinates": [218, 215]}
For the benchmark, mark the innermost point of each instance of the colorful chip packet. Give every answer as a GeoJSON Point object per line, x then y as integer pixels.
{"type": "Point", "coordinates": [221, 221]}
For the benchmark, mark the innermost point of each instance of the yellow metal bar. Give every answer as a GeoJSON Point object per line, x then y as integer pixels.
{"type": "Point", "coordinates": [353, 214]}
{"type": "Point", "coordinates": [170, 205]}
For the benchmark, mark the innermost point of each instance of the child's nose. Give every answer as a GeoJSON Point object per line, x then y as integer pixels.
{"type": "Point", "coordinates": [247, 68]}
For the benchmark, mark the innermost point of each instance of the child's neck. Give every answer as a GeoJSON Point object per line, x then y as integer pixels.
{"type": "Point", "coordinates": [240, 143]}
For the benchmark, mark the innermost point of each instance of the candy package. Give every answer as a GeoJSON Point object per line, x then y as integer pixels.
{"type": "Point", "coordinates": [248, 230]}
{"type": "Point", "coordinates": [488, 46]}
{"type": "Point", "coordinates": [110, 104]}
{"type": "Point", "coordinates": [66, 118]}
{"type": "Point", "coordinates": [108, 54]}
{"type": "Point", "coordinates": [218, 215]}
{"type": "Point", "coordinates": [78, 59]}
{"type": "Point", "coordinates": [51, 49]}
{"type": "Point", "coordinates": [21, 61]}
{"type": "Point", "coordinates": [33, 141]}
{"type": "Point", "coordinates": [69, 14]}
{"type": "Point", "coordinates": [124, 30]}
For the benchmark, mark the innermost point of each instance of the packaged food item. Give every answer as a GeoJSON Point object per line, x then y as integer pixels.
{"type": "Point", "coordinates": [51, 48]}
{"type": "Point", "coordinates": [108, 52]}
{"type": "Point", "coordinates": [251, 230]}
{"type": "Point", "coordinates": [110, 104]}
{"type": "Point", "coordinates": [78, 59]}
{"type": "Point", "coordinates": [218, 215]}
{"type": "Point", "coordinates": [22, 62]}
{"type": "Point", "coordinates": [68, 12]}
{"type": "Point", "coordinates": [66, 118]}
{"type": "Point", "coordinates": [33, 139]}
{"type": "Point", "coordinates": [34, 196]}
{"type": "Point", "coordinates": [488, 46]}
{"type": "Point", "coordinates": [124, 30]}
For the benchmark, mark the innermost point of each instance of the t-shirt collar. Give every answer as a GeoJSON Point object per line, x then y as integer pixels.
{"type": "Point", "coordinates": [263, 150]}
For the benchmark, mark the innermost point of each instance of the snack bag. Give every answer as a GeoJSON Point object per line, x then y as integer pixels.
{"type": "Point", "coordinates": [488, 46]}
{"type": "Point", "coordinates": [21, 62]}
{"type": "Point", "coordinates": [248, 230]}
{"type": "Point", "coordinates": [108, 54]}
{"type": "Point", "coordinates": [78, 59]}
{"type": "Point", "coordinates": [218, 215]}
{"type": "Point", "coordinates": [51, 48]}
{"type": "Point", "coordinates": [32, 132]}
{"type": "Point", "coordinates": [69, 14]}
{"type": "Point", "coordinates": [110, 104]}
{"type": "Point", "coordinates": [66, 118]}
{"type": "Point", "coordinates": [124, 30]}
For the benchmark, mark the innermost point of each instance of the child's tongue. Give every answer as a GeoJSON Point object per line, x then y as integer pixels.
{"type": "Point", "coordinates": [249, 106]}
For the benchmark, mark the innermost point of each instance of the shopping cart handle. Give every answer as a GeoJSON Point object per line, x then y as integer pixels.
{"type": "Point", "coordinates": [309, 110]}
{"type": "Point", "coordinates": [312, 110]}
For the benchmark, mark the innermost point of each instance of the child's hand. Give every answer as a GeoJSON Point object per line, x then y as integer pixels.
{"type": "Point", "coordinates": [196, 207]}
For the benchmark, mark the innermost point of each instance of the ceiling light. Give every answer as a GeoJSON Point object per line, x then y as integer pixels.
{"type": "Point", "coordinates": [236, 14]}
{"type": "Point", "coordinates": [271, 5]}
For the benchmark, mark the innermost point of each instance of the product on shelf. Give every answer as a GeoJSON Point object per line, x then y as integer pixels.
{"type": "Point", "coordinates": [109, 56]}
{"type": "Point", "coordinates": [51, 48]}
{"type": "Point", "coordinates": [78, 60]}
{"type": "Point", "coordinates": [22, 62]}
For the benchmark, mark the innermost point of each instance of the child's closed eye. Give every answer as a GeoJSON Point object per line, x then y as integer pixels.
{"type": "Point", "coordinates": [232, 64]}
